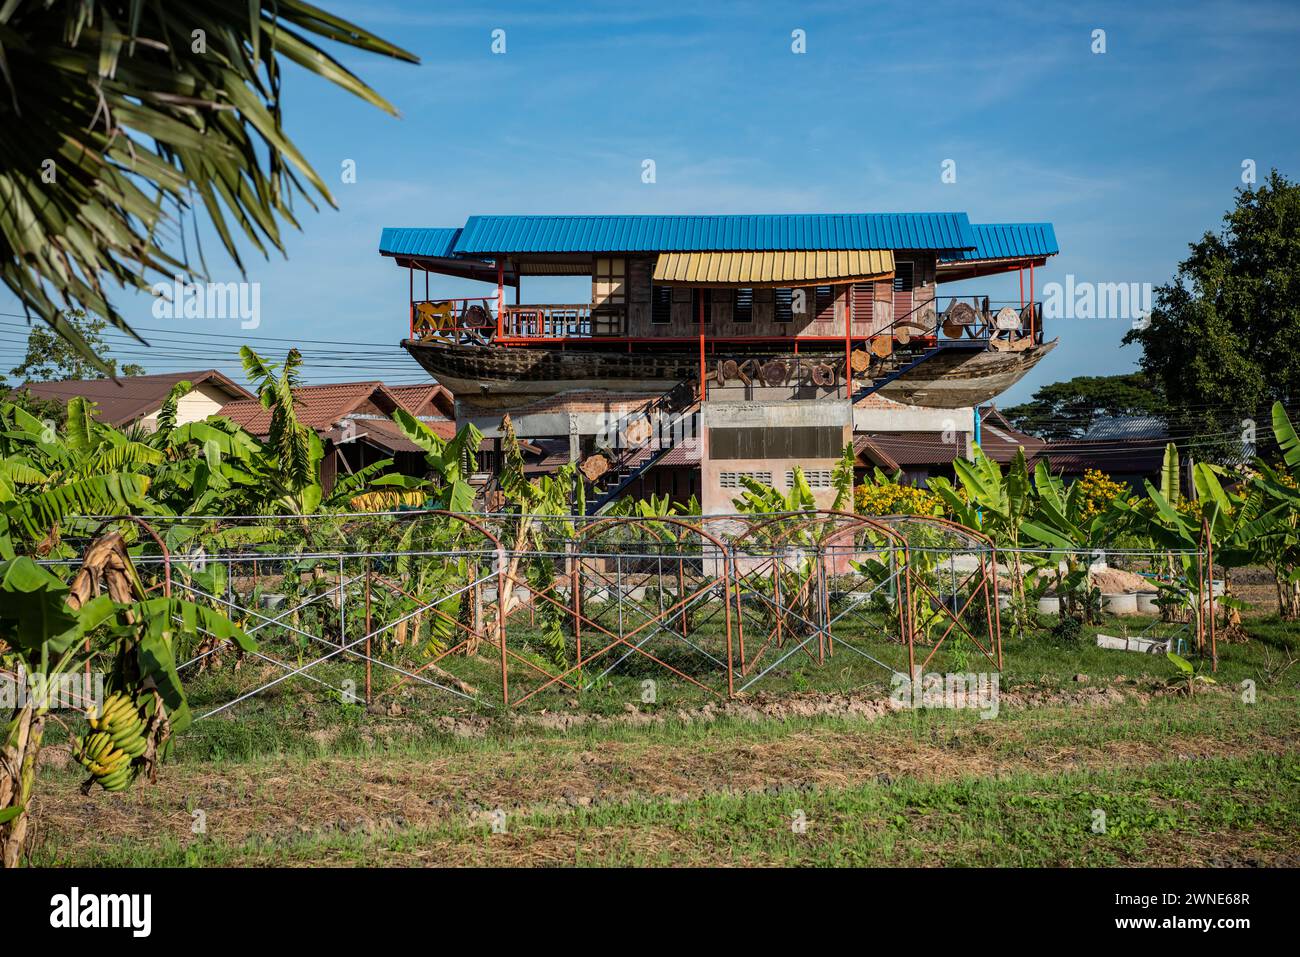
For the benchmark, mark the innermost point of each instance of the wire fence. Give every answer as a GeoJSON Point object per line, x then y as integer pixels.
{"type": "Point", "coordinates": [509, 610]}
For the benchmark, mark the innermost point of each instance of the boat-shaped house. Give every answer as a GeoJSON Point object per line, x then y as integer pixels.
{"type": "Point", "coordinates": [761, 339]}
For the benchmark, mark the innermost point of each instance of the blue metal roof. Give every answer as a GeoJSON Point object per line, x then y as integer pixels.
{"type": "Point", "coordinates": [1009, 241]}
{"type": "Point", "coordinates": [485, 235]}
{"type": "Point", "coordinates": [415, 241]}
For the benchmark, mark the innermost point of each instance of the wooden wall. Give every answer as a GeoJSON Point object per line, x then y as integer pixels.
{"type": "Point", "coordinates": [720, 320]}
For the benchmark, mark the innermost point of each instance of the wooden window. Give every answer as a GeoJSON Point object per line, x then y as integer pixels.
{"type": "Point", "coordinates": [609, 282]}
{"type": "Point", "coordinates": [661, 305]}
{"type": "Point", "coordinates": [784, 308]}
{"type": "Point", "coordinates": [744, 306]}
{"type": "Point", "coordinates": [824, 303]}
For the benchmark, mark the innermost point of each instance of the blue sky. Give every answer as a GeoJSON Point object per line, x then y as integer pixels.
{"type": "Point", "coordinates": [1131, 154]}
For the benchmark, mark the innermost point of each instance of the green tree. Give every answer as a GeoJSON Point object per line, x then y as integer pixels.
{"type": "Point", "coordinates": [50, 356]}
{"type": "Point", "coordinates": [1224, 335]}
{"type": "Point", "coordinates": [1064, 410]}
{"type": "Point", "coordinates": [121, 118]}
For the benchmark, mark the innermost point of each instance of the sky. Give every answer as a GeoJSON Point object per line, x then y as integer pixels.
{"type": "Point", "coordinates": [1132, 153]}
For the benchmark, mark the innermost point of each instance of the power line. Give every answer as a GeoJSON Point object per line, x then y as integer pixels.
{"type": "Point", "coordinates": [177, 351]}
{"type": "Point", "coordinates": [210, 335]}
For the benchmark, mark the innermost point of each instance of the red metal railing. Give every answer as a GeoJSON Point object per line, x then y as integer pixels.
{"type": "Point", "coordinates": [453, 318]}
{"type": "Point", "coordinates": [553, 321]}
{"type": "Point", "coordinates": [944, 318]}
{"type": "Point", "coordinates": [961, 317]}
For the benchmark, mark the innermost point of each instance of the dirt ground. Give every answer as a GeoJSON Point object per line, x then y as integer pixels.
{"type": "Point", "coordinates": [275, 800]}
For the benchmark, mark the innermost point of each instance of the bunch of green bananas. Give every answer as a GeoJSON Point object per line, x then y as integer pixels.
{"type": "Point", "coordinates": [117, 740]}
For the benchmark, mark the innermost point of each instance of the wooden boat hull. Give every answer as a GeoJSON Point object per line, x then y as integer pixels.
{"type": "Point", "coordinates": [961, 379]}
{"type": "Point", "coordinates": [495, 377]}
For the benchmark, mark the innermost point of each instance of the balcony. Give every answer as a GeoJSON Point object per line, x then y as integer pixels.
{"type": "Point", "coordinates": [565, 321]}
{"type": "Point", "coordinates": [972, 321]}
{"type": "Point", "coordinates": [476, 319]}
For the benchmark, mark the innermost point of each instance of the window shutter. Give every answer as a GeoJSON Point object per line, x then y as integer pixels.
{"type": "Point", "coordinates": [784, 305]}
{"type": "Point", "coordinates": [902, 289]}
{"type": "Point", "coordinates": [824, 303]}
{"type": "Point", "coordinates": [744, 306]}
{"type": "Point", "coordinates": [661, 307]}
{"type": "Point", "coordinates": [864, 302]}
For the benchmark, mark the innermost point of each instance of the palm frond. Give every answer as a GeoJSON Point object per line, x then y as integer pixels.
{"type": "Point", "coordinates": [119, 112]}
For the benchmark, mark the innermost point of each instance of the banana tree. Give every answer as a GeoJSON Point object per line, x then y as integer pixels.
{"type": "Point", "coordinates": [450, 460]}
{"type": "Point", "coordinates": [1058, 521]}
{"type": "Point", "coordinates": [1280, 486]}
{"type": "Point", "coordinates": [537, 507]}
{"type": "Point", "coordinates": [291, 470]}
{"type": "Point", "coordinates": [793, 543]}
{"type": "Point", "coordinates": [52, 633]}
{"type": "Point", "coordinates": [1239, 521]}
{"type": "Point", "coordinates": [995, 504]}
{"type": "Point", "coordinates": [48, 476]}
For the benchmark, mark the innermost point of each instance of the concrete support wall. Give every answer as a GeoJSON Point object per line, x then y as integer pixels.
{"type": "Point", "coordinates": [715, 499]}
{"type": "Point", "coordinates": [910, 418]}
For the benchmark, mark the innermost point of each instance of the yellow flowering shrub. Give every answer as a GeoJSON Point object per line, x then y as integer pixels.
{"type": "Point", "coordinates": [1099, 490]}
{"type": "Point", "coordinates": [892, 499]}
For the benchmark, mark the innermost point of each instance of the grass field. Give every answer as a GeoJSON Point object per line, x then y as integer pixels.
{"type": "Point", "coordinates": [794, 775]}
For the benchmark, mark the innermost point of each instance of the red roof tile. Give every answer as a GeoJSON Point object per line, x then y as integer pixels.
{"type": "Point", "coordinates": [869, 453]}
{"type": "Point", "coordinates": [430, 399]}
{"type": "Point", "coordinates": [128, 398]}
{"type": "Point", "coordinates": [318, 406]}
{"type": "Point", "coordinates": [385, 434]}
{"type": "Point", "coordinates": [685, 452]}
{"type": "Point", "coordinates": [999, 439]}
{"type": "Point", "coordinates": [901, 449]}
{"type": "Point", "coordinates": [1074, 457]}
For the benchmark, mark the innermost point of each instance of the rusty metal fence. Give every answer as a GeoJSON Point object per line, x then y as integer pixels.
{"type": "Point", "coordinates": [509, 610]}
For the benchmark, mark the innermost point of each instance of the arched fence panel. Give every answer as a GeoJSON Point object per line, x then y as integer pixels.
{"type": "Point", "coordinates": [416, 609]}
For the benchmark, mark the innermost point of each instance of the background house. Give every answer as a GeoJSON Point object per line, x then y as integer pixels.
{"type": "Point", "coordinates": [925, 454]}
{"type": "Point", "coordinates": [354, 421]}
{"type": "Point", "coordinates": [1129, 448]}
{"type": "Point", "coordinates": [137, 400]}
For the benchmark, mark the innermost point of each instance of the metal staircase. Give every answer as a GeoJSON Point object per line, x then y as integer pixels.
{"type": "Point", "coordinates": [631, 461]}
{"type": "Point", "coordinates": [931, 341]}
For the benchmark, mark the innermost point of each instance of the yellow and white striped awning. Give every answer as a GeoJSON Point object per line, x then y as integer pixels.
{"type": "Point", "coordinates": [780, 268]}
